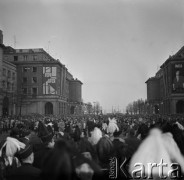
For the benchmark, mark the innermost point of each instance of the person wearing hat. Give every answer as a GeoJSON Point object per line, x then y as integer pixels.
{"type": "Point", "coordinates": [86, 169]}
{"type": "Point", "coordinates": [26, 170]}
{"type": "Point", "coordinates": [47, 144]}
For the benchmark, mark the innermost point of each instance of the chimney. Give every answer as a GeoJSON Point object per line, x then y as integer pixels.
{"type": "Point", "coordinates": [1, 37]}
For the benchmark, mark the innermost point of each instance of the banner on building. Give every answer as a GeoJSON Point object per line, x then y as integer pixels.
{"type": "Point", "coordinates": [178, 77]}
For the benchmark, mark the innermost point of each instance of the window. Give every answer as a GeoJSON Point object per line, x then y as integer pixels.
{"type": "Point", "coordinates": [12, 86]}
{"type": "Point", "coordinates": [34, 69]}
{"type": "Point", "coordinates": [9, 74]}
{"type": "Point", "coordinates": [13, 76]}
{"type": "Point", "coordinates": [48, 69]}
{"type": "Point", "coordinates": [34, 57]}
{"type": "Point", "coordinates": [34, 91]}
{"type": "Point", "coordinates": [34, 80]}
{"type": "Point", "coordinates": [24, 79]}
{"type": "Point", "coordinates": [15, 58]}
{"type": "Point", "coordinates": [25, 57]}
{"type": "Point", "coordinates": [25, 69]}
{"type": "Point", "coordinates": [8, 86]}
{"type": "Point", "coordinates": [3, 84]}
{"type": "Point", "coordinates": [4, 72]}
{"type": "Point", "coordinates": [24, 90]}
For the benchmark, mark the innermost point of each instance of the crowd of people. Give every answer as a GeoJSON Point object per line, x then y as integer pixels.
{"type": "Point", "coordinates": [83, 147]}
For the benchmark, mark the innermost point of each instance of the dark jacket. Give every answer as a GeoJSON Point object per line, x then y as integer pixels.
{"type": "Point", "coordinates": [39, 157]}
{"type": "Point", "coordinates": [132, 145]}
{"type": "Point", "coordinates": [24, 172]}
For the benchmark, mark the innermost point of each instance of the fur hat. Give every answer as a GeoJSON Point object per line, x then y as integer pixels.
{"type": "Point", "coordinates": [96, 134]}
{"type": "Point", "coordinates": [112, 127]}
{"type": "Point", "coordinates": [25, 152]}
{"type": "Point", "coordinates": [156, 147]}
{"type": "Point", "coordinates": [43, 133]}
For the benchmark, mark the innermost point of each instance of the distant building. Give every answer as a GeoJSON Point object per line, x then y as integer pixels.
{"type": "Point", "coordinates": [8, 83]}
{"type": "Point", "coordinates": [165, 91]}
{"type": "Point", "coordinates": [44, 84]}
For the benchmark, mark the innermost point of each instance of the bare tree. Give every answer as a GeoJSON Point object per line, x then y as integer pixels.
{"type": "Point", "coordinates": [89, 108]}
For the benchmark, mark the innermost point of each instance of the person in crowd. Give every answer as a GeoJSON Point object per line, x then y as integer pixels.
{"type": "Point", "coordinates": [25, 170]}
{"type": "Point", "coordinates": [57, 164]}
{"type": "Point", "coordinates": [85, 168]}
{"type": "Point", "coordinates": [112, 127]}
{"type": "Point", "coordinates": [157, 148]}
{"type": "Point", "coordinates": [8, 161]}
{"type": "Point", "coordinates": [95, 136]}
{"type": "Point", "coordinates": [105, 151]}
{"type": "Point", "coordinates": [132, 143]}
{"type": "Point", "coordinates": [87, 149]}
{"type": "Point", "coordinates": [47, 144]}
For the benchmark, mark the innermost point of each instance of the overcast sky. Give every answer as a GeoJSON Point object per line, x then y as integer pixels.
{"type": "Point", "coordinates": [112, 46]}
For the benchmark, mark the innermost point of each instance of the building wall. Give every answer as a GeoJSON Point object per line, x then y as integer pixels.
{"type": "Point", "coordinates": [60, 82]}
{"type": "Point", "coordinates": [9, 86]}
{"type": "Point", "coordinates": [153, 87]}
{"type": "Point", "coordinates": [171, 99]}
{"type": "Point", "coordinates": [75, 91]}
{"type": "Point", "coordinates": [1, 74]}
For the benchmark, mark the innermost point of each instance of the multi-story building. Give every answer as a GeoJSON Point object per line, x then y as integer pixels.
{"type": "Point", "coordinates": [44, 84]}
{"type": "Point", "coordinates": [165, 91]}
{"type": "Point", "coordinates": [8, 83]}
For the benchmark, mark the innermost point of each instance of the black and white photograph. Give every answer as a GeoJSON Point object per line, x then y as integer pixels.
{"type": "Point", "coordinates": [91, 89]}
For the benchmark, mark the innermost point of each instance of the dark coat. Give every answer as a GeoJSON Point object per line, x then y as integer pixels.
{"type": "Point", "coordinates": [120, 149]}
{"type": "Point", "coordinates": [24, 172]}
{"type": "Point", "coordinates": [132, 145]}
{"type": "Point", "coordinates": [39, 157]}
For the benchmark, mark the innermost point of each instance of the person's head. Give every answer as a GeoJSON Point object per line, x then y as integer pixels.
{"type": "Point", "coordinates": [45, 135]}
{"type": "Point", "coordinates": [57, 165]}
{"type": "Point", "coordinates": [105, 150]}
{"type": "Point", "coordinates": [87, 149]}
{"type": "Point", "coordinates": [131, 133]}
{"type": "Point", "coordinates": [96, 134]}
{"type": "Point", "coordinates": [26, 154]}
{"type": "Point", "coordinates": [15, 133]}
{"type": "Point", "coordinates": [85, 168]}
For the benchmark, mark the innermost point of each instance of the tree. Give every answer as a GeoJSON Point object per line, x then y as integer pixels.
{"type": "Point", "coordinates": [97, 108]}
{"type": "Point", "coordinates": [89, 108]}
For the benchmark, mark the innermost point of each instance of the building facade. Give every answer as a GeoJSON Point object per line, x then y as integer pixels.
{"type": "Point", "coordinates": [165, 91]}
{"type": "Point", "coordinates": [43, 85]}
{"type": "Point", "coordinates": [8, 83]}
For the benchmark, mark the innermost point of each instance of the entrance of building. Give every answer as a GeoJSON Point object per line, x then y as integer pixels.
{"type": "Point", "coordinates": [48, 108]}
{"type": "Point", "coordinates": [5, 106]}
{"type": "Point", "coordinates": [180, 107]}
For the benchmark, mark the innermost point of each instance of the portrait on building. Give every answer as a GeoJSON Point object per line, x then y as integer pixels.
{"type": "Point", "coordinates": [49, 80]}
{"type": "Point", "coordinates": [178, 78]}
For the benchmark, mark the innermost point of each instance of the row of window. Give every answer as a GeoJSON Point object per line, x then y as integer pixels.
{"type": "Point", "coordinates": [25, 58]}
{"type": "Point", "coordinates": [34, 80]}
{"type": "Point", "coordinates": [25, 69]}
{"type": "Point", "coordinates": [8, 73]}
{"type": "Point", "coordinates": [34, 91]}
{"type": "Point", "coordinates": [9, 86]}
